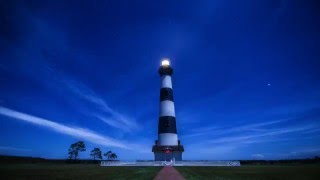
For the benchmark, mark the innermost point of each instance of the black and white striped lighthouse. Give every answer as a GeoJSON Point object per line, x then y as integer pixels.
{"type": "Point", "coordinates": [167, 147]}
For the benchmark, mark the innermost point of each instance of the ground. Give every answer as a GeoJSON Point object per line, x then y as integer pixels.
{"type": "Point", "coordinates": [169, 173]}
{"type": "Point", "coordinates": [83, 171]}
{"type": "Point", "coordinates": [260, 172]}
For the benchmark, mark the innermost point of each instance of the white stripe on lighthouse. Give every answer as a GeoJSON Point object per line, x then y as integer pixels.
{"type": "Point", "coordinates": [168, 139]}
{"type": "Point", "coordinates": [167, 108]}
{"type": "Point", "coordinates": [166, 81]}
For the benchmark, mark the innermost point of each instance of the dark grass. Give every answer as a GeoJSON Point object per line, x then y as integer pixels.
{"type": "Point", "coordinates": [74, 171]}
{"type": "Point", "coordinates": [260, 172]}
{"type": "Point", "coordinates": [94, 171]}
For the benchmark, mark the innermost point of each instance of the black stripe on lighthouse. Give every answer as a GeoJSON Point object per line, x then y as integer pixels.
{"type": "Point", "coordinates": [167, 124]}
{"type": "Point", "coordinates": [166, 94]}
{"type": "Point", "coordinates": [165, 71]}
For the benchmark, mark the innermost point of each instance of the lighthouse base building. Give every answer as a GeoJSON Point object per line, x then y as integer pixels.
{"type": "Point", "coordinates": [167, 147]}
{"type": "Point", "coordinates": [167, 153]}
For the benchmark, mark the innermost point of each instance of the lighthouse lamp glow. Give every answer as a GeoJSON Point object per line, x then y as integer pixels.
{"type": "Point", "coordinates": [165, 62]}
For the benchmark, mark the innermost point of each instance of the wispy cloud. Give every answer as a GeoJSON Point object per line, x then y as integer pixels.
{"type": "Point", "coordinates": [257, 156]}
{"type": "Point", "coordinates": [45, 71]}
{"type": "Point", "coordinates": [253, 137]}
{"type": "Point", "coordinates": [117, 119]}
{"type": "Point", "coordinates": [204, 131]}
{"type": "Point", "coordinates": [277, 139]}
{"type": "Point", "coordinates": [222, 144]}
{"type": "Point", "coordinates": [101, 108]}
{"type": "Point", "coordinates": [115, 122]}
{"type": "Point", "coordinates": [85, 134]}
{"type": "Point", "coordinates": [312, 131]}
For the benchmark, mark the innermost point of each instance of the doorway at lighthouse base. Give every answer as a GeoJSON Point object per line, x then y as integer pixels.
{"type": "Point", "coordinates": [167, 153]}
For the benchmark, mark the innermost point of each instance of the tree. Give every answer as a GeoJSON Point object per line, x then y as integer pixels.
{"type": "Point", "coordinates": [75, 148]}
{"type": "Point", "coordinates": [96, 153]}
{"type": "Point", "coordinates": [113, 156]}
{"type": "Point", "coordinates": [107, 154]}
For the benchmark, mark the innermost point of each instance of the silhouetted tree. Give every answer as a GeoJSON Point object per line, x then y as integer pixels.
{"type": "Point", "coordinates": [108, 154]}
{"type": "Point", "coordinates": [113, 156]}
{"type": "Point", "coordinates": [96, 153]}
{"type": "Point", "coordinates": [75, 148]}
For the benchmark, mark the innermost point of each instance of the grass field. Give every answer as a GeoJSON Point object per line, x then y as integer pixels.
{"type": "Point", "coordinates": [260, 172]}
{"type": "Point", "coordinates": [83, 171]}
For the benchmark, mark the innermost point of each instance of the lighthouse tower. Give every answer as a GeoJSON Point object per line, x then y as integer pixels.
{"type": "Point", "coordinates": [167, 147]}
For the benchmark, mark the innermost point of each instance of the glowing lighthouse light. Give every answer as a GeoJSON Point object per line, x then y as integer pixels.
{"type": "Point", "coordinates": [165, 62]}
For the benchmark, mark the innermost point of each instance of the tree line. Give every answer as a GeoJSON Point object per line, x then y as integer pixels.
{"type": "Point", "coordinates": [96, 153]}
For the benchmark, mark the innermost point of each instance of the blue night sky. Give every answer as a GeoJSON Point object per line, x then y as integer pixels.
{"type": "Point", "coordinates": [246, 81]}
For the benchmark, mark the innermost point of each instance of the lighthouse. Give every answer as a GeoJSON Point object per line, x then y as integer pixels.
{"type": "Point", "coordinates": [168, 146]}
